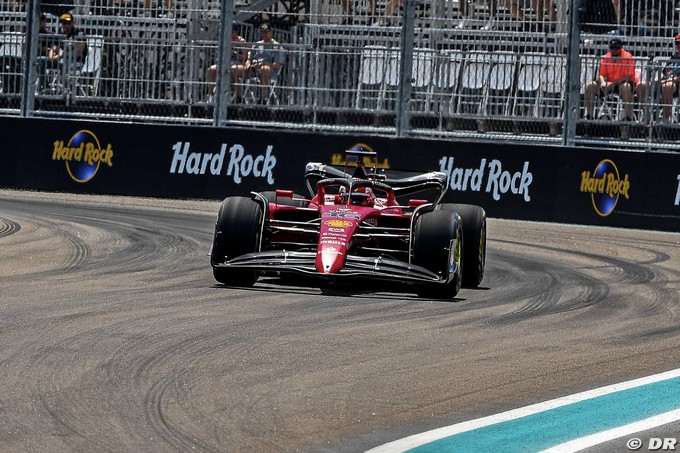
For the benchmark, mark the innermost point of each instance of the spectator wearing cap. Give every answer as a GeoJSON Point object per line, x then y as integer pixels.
{"type": "Point", "coordinates": [239, 55]}
{"type": "Point", "coordinates": [670, 82]}
{"type": "Point", "coordinates": [70, 32]}
{"type": "Point", "coordinates": [617, 75]}
{"type": "Point", "coordinates": [266, 58]}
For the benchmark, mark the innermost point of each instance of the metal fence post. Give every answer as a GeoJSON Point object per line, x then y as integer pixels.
{"type": "Point", "coordinates": [403, 104]}
{"type": "Point", "coordinates": [30, 57]}
{"type": "Point", "coordinates": [222, 84]}
{"type": "Point", "coordinates": [573, 88]}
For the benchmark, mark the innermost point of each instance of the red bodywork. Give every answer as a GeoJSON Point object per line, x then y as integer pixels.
{"type": "Point", "coordinates": [342, 212]}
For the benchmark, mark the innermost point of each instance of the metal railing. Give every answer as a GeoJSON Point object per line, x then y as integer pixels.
{"type": "Point", "coordinates": [349, 73]}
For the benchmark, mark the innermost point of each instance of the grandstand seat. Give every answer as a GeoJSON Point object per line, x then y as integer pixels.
{"type": "Point", "coordinates": [422, 70]}
{"type": "Point", "coordinates": [529, 80]}
{"type": "Point", "coordinates": [654, 92]}
{"type": "Point", "coordinates": [391, 87]}
{"type": "Point", "coordinates": [445, 80]}
{"type": "Point", "coordinates": [88, 78]}
{"type": "Point", "coordinates": [474, 83]}
{"type": "Point", "coordinates": [11, 53]}
{"type": "Point", "coordinates": [590, 66]}
{"type": "Point", "coordinates": [421, 78]}
{"type": "Point", "coordinates": [553, 87]}
{"type": "Point", "coordinates": [610, 107]}
{"type": "Point", "coordinates": [11, 44]}
{"type": "Point", "coordinates": [501, 80]}
{"type": "Point", "coordinates": [371, 77]}
{"type": "Point", "coordinates": [253, 88]}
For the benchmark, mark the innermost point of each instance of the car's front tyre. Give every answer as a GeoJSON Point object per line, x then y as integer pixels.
{"type": "Point", "coordinates": [237, 232]}
{"type": "Point", "coordinates": [438, 247]}
{"type": "Point", "coordinates": [474, 250]}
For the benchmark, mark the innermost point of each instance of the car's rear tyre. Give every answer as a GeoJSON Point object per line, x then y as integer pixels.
{"type": "Point", "coordinates": [237, 232]}
{"type": "Point", "coordinates": [474, 246]}
{"type": "Point", "coordinates": [438, 246]}
{"type": "Point", "coordinates": [270, 196]}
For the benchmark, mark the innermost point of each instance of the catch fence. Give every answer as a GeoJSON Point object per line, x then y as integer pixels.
{"type": "Point", "coordinates": [479, 71]}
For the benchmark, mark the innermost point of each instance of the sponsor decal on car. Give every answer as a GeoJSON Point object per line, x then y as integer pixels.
{"type": "Point", "coordinates": [330, 249]}
{"type": "Point", "coordinates": [677, 194]}
{"type": "Point", "coordinates": [83, 155]}
{"type": "Point", "coordinates": [342, 214]}
{"type": "Point", "coordinates": [491, 178]}
{"type": "Point", "coordinates": [605, 185]}
{"type": "Point", "coordinates": [240, 164]}
{"type": "Point", "coordinates": [334, 234]}
{"type": "Point", "coordinates": [332, 242]}
{"type": "Point", "coordinates": [338, 223]}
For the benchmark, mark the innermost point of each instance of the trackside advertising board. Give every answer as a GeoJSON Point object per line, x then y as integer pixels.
{"type": "Point", "coordinates": [515, 181]}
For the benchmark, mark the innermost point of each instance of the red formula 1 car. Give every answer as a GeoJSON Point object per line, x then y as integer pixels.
{"type": "Point", "coordinates": [359, 223]}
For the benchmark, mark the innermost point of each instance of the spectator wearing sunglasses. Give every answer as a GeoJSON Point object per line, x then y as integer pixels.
{"type": "Point", "coordinates": [617, 75]}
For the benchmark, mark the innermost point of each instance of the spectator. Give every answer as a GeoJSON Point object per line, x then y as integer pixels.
{"type": "Point", "coordinates": [545, 6]}
{"type": "Point", "coordinates": [45, 37]}
{"type": "Point", "coordinates": [239, 54]}
{"type": "Point", "coordinates": [599, 17]}
{"type": "Point", "coordinates": [265, 59]}
{"type": "Point", "coordinates": [540, 7]}
{"type": "Point", "coordinates": [349, 11]}
{"type": "Point", "coordinates": [646, 17]}
{"type": "Point", "coordinates": [391, 7]}
{"type": "Point", "coordinates": [56, 54]}
{"type": "Point", "coordinates": [46, 41]}
{"type": "Point", "coordinates": [670, 82]}
{"type": "Point", "coordinates": [466, 10]}
{"type": "Point", "coordinates": [617, 75]}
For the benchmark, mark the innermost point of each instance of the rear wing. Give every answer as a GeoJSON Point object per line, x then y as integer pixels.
{"type": "Point", "coordinates": [420, 182]}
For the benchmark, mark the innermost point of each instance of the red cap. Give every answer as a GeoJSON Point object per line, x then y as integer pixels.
{"type": "Point", "coordinates": [677, 37]}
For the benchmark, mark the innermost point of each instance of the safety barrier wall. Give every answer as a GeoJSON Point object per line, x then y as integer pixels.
{"type": "Point", "coordinates": [543, 183]}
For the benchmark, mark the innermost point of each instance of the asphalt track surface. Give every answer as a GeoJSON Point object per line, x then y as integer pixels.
{"type": "Point", "coordinates": [114, 336]}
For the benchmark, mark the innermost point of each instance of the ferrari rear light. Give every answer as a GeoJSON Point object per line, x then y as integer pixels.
{"type": "Point", "coordinates": [284, 193]}
{"type": "Point", "coordinates": [414, 203]}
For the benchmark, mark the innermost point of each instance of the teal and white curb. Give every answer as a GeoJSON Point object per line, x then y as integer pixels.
{"type": "Point", "coordinates": [566, 424]}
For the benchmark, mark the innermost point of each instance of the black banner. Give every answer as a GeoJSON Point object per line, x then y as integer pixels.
{"type": "Point", "coordinates": [554, 184]}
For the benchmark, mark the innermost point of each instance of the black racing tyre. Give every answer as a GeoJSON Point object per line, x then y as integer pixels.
{"type": "Point", "coordinates": [437, 245]}
{"type": "Point", "coordinates": [237, 232]}
{"type": "Point", "coordinates": [271, 198]}
{"type": "Point", "coordinates": [474, 246]}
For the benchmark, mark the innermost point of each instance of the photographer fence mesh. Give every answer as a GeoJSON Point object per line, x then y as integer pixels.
{"type": "Point", "coordinates": [480, 70]}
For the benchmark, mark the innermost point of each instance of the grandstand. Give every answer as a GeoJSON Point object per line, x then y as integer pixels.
{"type": "Point", "coordinates": [149, 59]}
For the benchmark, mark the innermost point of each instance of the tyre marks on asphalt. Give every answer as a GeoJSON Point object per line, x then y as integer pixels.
{"type": "Point", "coordinates": [99, 244]}
{"type": "Point", "coordinates": [545, 288]}
{"type": "Point", "coordinates": [126, 249]}
{"type": "Point", "coordinates": [593, 275]}
{"type": "Point", "coordinates": [152, 355]}
{"type": "Point", "coordinates": [8, 227]}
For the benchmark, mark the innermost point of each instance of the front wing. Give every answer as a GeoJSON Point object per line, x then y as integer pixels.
{"type": "Point", "coordinates": [355, 267]}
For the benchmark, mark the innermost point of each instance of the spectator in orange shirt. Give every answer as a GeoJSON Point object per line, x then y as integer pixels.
{"type": "Point", "coordinates": [617, 75]}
